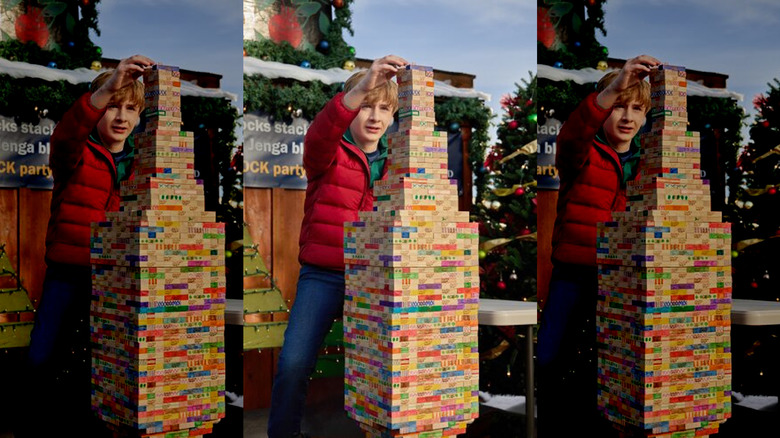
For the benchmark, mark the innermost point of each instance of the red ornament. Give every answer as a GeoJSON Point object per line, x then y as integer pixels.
{"type": "Point", "coordinates": [501, 285]}
{"type": "Point", "coordinates": [771, 190]}
{"type": "Point", "coordinates": [529, 102]}
{"type": "Point", "coordinates": [338, 4]}
{"type": "Point", "coordinates": [520, 191]}
{"type": "Point", "coordinates": [32, 27]}
{"type": "Point", "coordinates": [512, 124]}
{"type": "Point", "coordinates": [284, 26]}
{"type": "Point", "coordinates": [545, 31]}
{"type": "Point", "coordinates": [525, 232]}
{"type": "Point", "coordinates": [765, 123]}
{"type": "Point", "coordinates": [754, 284]}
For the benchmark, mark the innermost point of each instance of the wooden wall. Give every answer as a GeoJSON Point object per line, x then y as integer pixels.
{"type": "Point", "coordinates": [274, 218]}
{"type": "Point", "coordinates": [546, 212]}
{"type": "Point", "coordinates": [24, 215]}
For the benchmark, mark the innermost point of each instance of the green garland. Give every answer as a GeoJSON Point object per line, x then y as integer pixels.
{"type": "Point", "coordinates": [581, 47]}
{"type": "Point", "coordinates": [475, 114]}
{"type": "Point", "coordinates": [281, 98]}
{"type": "Point", "coordinates": [20, 97]}
{"type": "Point", "coordinates": [77, 51]}
{"type": "Point", "coordinates": [336, 55]}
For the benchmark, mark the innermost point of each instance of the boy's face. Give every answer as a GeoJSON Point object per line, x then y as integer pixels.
{"type": "Point", "coordinates": [623, 124]}
{"type": "Point", "coordinates": [117, 123]}
{"type": "Point", "coordinates": [371, 122]}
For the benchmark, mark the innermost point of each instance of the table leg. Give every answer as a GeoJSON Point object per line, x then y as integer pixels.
{"type": "Point", "coordinates": [529, 379]}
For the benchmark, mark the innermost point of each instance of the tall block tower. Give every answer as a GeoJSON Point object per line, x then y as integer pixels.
{"type": "Point", "coordinates": [158, 286]}
{"type": "Point", "coordinates": [664, 309]}
{"type": "Point", "coordinates": [412, 287]}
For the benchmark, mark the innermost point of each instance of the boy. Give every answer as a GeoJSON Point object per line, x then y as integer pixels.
{"type": "Point", "coordinates": [597, 153]}
{"type": "Point", "coordinates": [91, 152]}
{"type": "Point", "coordinates": [345, 152]}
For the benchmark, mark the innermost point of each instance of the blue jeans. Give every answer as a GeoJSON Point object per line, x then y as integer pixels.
{"type": "Point", "coordinates": [318, 301]}
{"type": "Point", "coordinates": [567, 355]}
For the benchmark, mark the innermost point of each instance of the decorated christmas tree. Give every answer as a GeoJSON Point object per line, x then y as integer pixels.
{"type": "Point", "coordinates": [754, 203]}
{"type": "Point", "coordinates": [753, 185]}
{"type": "Point", "coordinates": [506, 214]}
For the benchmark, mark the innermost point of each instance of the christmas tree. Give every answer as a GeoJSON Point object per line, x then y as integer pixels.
{"type": "Point", "coordinates": [506, 213]}
{"type": "Point", "coordinates": [753, 185]}
{"type": "Point", "coordinates": [754, 204]}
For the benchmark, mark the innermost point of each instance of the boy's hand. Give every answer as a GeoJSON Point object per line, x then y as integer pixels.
{"type": "Point", "coordinates": [381, 71]}
{"type": "Point", "coordinates": [633, 71]}
{"type": "Point", "coordinates": [128, 70]}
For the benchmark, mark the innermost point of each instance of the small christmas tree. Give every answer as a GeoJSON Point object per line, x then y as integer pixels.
{"type": "Point", "coordinates": [16, 310]}
{"type": "Point", "coordinates": [260, 304]}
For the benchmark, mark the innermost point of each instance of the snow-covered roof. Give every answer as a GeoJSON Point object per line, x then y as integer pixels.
{"type": "Point", "coordinates": [18, 69]}
{"type": "Point", "coordinates": [587, 75]}
{"type": "Point", "coordinates": [274, 70]}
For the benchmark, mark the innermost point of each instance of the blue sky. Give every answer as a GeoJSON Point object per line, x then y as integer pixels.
{"type": "Point", "coordinates": [736, 38]}
{"type": "Point", "coordinates": [201, 35]}
{"type": "Point", "coordinates": [494, 40]}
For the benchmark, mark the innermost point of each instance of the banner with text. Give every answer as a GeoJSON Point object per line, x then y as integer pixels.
{"type": "Point", "coordinates": [24, 153]}
{"type": "Point", "coordinates": [546, 172]}
{"type": "Point", "coordinates": [273, 152]}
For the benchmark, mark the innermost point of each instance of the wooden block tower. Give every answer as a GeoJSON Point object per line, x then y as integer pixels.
{"type": "Point", "coordinates": [412, 287]}
{"type": "Point", "coordinates": [158, 286]}
{"type": "Point", "coordinates": [664, 310]}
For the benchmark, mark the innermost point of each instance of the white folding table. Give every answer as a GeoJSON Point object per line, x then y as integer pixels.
{"type": "Point", "coordinates": [516, 313]}
{"type": "Point", "coordinates": [755, 312]}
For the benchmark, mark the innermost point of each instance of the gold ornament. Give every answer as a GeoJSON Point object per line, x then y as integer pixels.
{"type": "Point", "coordinates": [349, 65]}
{"type": "Point", "coordinates": [96, 65]}
{"type": "Point", "coordinates": [602, 65]}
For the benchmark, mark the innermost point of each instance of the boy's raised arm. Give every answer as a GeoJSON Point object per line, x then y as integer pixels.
{"type": "Point", "coordinates": [576, 135]}
{"type": "Point", "coordinates": [128, 70]}
{"type": "Point", "coordinates": [330, 124]}
{"type": "Point", "coordinates": [71, 133]}
{"type": "Point", "coordinates": [633, 71]}
{"type": "Point", "coordinates": [381, 71]}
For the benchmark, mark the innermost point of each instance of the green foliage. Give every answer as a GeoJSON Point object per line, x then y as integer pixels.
{"type": "Point", "coordinates": [281, 98]}
{"type": "Point", "coordinates": [562, 97]}
{"type": "Point", "coordinates": [507, 213]}
{"type": "Point", "coordinates": [72, 20]}
{"type": "Point", "coordinates": [217, 118]}
{"type": "Point", "coordinates": [474, 114]}
{"type": "Point", "coordinates": [25, 98]}
{"type": "Point", "coordinates": [754, 185]}
{"type": "Point", "coordinates": [576, 23]}
{"type": "Point", "coordinates": [336, 55]}
{"type": "Point", "coordinates": [507, 209]}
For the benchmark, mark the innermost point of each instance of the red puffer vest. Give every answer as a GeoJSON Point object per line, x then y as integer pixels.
{"type": "Point", "coordinates": [591, 184]}
{"type": "Point", "coordinates": [338, 186]}
{"type": "Point", "coordinates": [85, 186]}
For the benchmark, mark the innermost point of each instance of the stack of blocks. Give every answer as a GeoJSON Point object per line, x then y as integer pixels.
{"type": "Point", "coordinates": [664, 309]}
{"type": "Point", "coordinates": [412, 287]}
{"type": "Point", "coordinates": [158, 286]}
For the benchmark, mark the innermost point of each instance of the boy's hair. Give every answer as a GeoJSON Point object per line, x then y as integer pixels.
{"type": "Point", "coordinates": [639, 92]}
{"type": "Point", "coordinates": [133, 93]}
{"type": "Point", "coordinates": [384, 93]}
